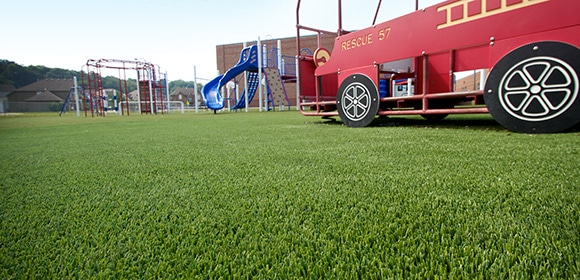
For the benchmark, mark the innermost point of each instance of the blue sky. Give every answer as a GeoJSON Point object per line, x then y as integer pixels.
{"type": "Point", "coordinates": [175, 34]}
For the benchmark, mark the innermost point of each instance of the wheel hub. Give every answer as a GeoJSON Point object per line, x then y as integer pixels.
{"type": "Point", "coordinates": [535, 89]}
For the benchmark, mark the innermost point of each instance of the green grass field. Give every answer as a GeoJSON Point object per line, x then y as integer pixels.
{"type": "Point", "coordinates": [278, 195]}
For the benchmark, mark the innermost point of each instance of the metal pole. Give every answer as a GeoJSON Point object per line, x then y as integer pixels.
{"type": "Point", "coordinates": [229, 92]}
{"type": "Point", "coordinates": [88, 85]}
{"type": "Point", "coordinates": [116, 108]}
{"type": "Point", "coordinates": [377, 12]}
{"type": "Point", "coordinates": [279, 52]}
{"type": "Point", "coordinates": [149, 76]}
{"type": "Point", "coordinates": [297, 57]}
{"type": "Point", "coordinates": [105, 103]}
{"type": "Point", "coordinates": [265, 63]}
{"type": "Point", "coordinates": [126, 90]}
{"type": "Point", "coordinates": [246, 85]}
{"type": "Point", "coordinates": [297, 84]}
{"type": "Point", "coordinates": [167, 93]}
{"type": "Point", "coordinates": [76, 96]}
{"type": "Point", "coordinates": [260, 72]}
{"type": "Point", "coordinates": [138, 93]}
{"type": "Point", "coordinates": [195, 88]}
{"type": "Point", "coordinates": [237, 92]}
{"type": "Point", "coordinates": [339, 20]}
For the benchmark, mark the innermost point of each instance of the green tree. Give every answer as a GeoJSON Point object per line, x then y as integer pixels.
{"type": "Point", "coordinates": [19, 76]}
{"type": "Point", "coordinates": [58, 73]}
{"type": "Point", "coordinates": [183, 84]}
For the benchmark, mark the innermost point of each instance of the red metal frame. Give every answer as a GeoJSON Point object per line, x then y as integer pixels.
{"type": "Point", "coordinates": [152, 91]}
{"type": "Point", "coordinates": [453, 36]}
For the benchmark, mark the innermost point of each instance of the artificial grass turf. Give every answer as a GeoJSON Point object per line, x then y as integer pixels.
{"type": "Point", "coordinates": [280, 195]}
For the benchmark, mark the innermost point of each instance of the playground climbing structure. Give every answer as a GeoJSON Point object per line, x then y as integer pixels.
{"type": "Point", "coordinates": [151, 97]}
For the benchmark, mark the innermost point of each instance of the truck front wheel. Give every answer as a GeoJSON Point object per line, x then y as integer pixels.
{"type": "Point", "coordinates": [357, 101]}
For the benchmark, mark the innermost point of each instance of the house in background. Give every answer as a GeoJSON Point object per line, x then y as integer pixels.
{"type": "Point", "coordinates": [185, 95]}
{"type": "Point", "coordinates": [5, 89]}
{"type": "Point", "coordinates": [43, 102]}
{"type": "Point", "coordinates": [43, 95]}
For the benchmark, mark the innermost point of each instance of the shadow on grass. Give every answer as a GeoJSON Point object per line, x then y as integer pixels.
{"type": "Point", "coordinates": [476, 122]}
{"type": "Point", "coordinates": [451, 122]}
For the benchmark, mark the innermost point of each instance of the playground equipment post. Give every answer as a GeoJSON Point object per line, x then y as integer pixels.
{"type": "Point", "coordinates": [195, 88]}
{"type": "Point", "coordinates": [167, 92]}
{"type": "Point", "coordinates": [260, 72]}
{"type": "Point", "coordinates": [246, 84]}
{"type": "Point", "coordinates": [76, 96]}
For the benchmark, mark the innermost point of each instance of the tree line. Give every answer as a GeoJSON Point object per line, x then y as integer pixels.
{"type": "Point", "coordinates": [17, 75]}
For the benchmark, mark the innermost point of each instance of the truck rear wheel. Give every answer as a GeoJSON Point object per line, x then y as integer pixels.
{"type": "Point", "coordinates": [357, 101]}
{"type": "Point", "coordinates": [534, 88]}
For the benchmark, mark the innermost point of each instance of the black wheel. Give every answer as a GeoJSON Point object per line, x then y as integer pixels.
{"type": "Point", "coordinates": [534, 88]}
{"type": "Point", "coordinates": [357, 101]}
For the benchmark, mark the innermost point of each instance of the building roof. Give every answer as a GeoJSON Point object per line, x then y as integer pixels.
{"type": "Point", "coordinates": [6, 89]}
{"type": "Point", "coordinates": [53, 85]}
{"type": "Point", "coordinates": [133, 95]}
{"type": "Point", "coordinates": [183, 91]}
{"type": "Point", "coordinates": [44, 96]}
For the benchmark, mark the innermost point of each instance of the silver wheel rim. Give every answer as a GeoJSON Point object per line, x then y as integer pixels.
{"type": "Point", "coordinates": [532, 95]}
{"type": "Point", "coordinates": [356, 101]}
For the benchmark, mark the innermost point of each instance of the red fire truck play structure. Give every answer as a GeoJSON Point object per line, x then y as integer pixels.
{"type": "Point", "coordinates": [528, 50]}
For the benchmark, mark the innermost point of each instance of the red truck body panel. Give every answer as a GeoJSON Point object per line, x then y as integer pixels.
{"type": "Point", "coordinates": [433, 44]}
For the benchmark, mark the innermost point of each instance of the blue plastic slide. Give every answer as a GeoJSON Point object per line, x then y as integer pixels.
{"type": "Point", "coordinates": [211, 91]}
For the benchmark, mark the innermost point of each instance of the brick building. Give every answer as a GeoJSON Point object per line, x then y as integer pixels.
{"type": "Point", "coordinates": [470, 82]}
{"type": "Point", "coordinates": [228, 55]}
